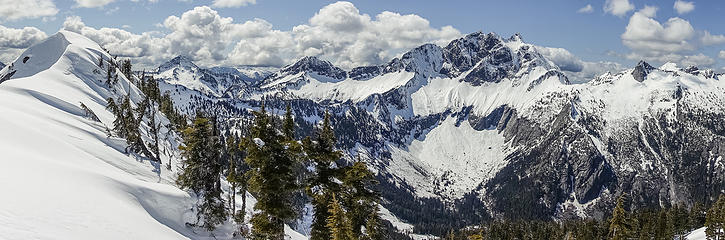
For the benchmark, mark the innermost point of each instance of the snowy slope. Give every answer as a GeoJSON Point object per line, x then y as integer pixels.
{"type": "Point", "coordinates": [62, 176]}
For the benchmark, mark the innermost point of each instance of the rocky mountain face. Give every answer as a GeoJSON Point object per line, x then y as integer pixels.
{"type": "Point", "coordinates": [488, 127]}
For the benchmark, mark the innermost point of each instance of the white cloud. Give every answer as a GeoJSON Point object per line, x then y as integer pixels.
{"type": "Point", "coordinates": [697, 60]}
{"type": "Point", "coordinates": [8, 55]}
{"type": "Point", "coordinates": [590, 70]}
{"type": "Point", "coordinates": [338, 32]}
{"type": "Point", "coordinates": [649, 11]}
{"type": "Point", "coordinates": [586, 9]}
{"type": "Point", "coordinates": [145, 48]}
{"type": "Point", "coordinates": [11, 10]}
{"type": "Point", "coordinates": [232, 3]}
{"type": "Point", "coordinates": [722, 54]}
{"type": "Point", "coordinates": [647, 36]}
{"type": "Point", "coordinates": [93, 3]}
{"type": "Point", "coordinates": [562, 58]}
{"type": "Point", "coordinates": [683, 7]}
{"type": "Point", "coordinates": [577, 70]}
{"type": "Point", "coordinates": [675, 40]}
{"type": "Point", "coordinates": [709, 39]}
{"type": "Point", "coordinates": [20, 38]}
{"type": "Point", "coordinates": [618, 8]}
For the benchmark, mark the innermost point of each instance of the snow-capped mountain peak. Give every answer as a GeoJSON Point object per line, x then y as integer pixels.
{"type": "Point", "coordinates": [315, 65]}
{"type": "Point", "coordinates": [180, 61]}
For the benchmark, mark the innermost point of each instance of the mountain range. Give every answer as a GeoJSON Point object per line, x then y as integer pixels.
{"type": "Point", "coordinates": [485, 127]}
{"type": "Point", "coordinates": [488, 123]}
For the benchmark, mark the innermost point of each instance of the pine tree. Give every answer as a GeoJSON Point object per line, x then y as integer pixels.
{"type": "Point", "coordinates": [321, 151]}
{"type": "Point", "coordinates": [715, 219]}
{"type": "Point", "coordinates": [337, 222]}
{"type": "Point", "coordinates": [373, 226]}
{"type": "Point", "coordinates": [109, 75]}
{"type": "Point", "coordinates": [696, 216]}
{"type": "Point", "coordinates": [201, 170]}
{"type": "Point", "coordinates": [621, 226]}
{"type": "Point", "coordinates": [272, 159]}
{"type": "Point", "coordinates": [126, 68]}
{"type": "Point", "coordinates": [359, 196]}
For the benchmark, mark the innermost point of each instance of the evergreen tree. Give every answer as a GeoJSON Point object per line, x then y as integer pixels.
{"type": "Point", "coordinates": [715, 219]}
{"type": "Point", "coordinates": [358, 195]}
{"type": "Point", "coordinates": [338, 223]}
{"type": "Point", "coordinates": [321, 151]}
{"type": "Point", "coordinates": [201, 170]}
{"type": "Point", "coordinates": [373, 226]}
{"type": "Point", "coordinates": [109, 75]}
{"type": "Point", "coordinates": [621, 226]}
{"type": "Point", "coordinates": [696, 216]}
{"type": "Point", "coordinates": [235, 177]}
{"type": "Point", "coordinates": [272, 159]}
{"type": "Point", "coordinates": [126, 68]}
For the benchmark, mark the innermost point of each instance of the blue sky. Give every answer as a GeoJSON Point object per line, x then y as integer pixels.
{"type": "Point", "coordinates": [588, 35]}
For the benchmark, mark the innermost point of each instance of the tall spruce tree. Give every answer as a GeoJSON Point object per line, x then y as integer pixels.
{"type": "Point", "coordinates": [338, 223]}
{"type": "Point", "coordinates": [621, 225]}
{"type": "Point", "coordinates": [272, 158]}
{"type": "Point", "coordinates": [321, 185]}
{"type": "Point", "coordinates": [715, 219]}
{"type": "Point", "coordinates": [358, 195]}
{"type": "Point", "coordinates": [201, 170]}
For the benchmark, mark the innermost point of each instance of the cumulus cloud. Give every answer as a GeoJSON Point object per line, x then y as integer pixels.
{"type": "Point", "coordinates": [562, 58]}
{"type": "Point", "coordinates": [709, 39]}
{"type": "Point", "coordinates": [146, 48]}
{"type": "Point", "coordinates": [338, 32]}
{"type": "Point", "coordinates": [20, 38]}
{"type": "Point", "coordinates": [722, 54]}
{"type": "Point", "coordinates": [590, 70]}
{"type": "Point", "coordinates": [11, 10]}
{"type": "Point", "coordinates": [586, 9]}
{"type": "Point", "coordinates": [675, 40]}
{"type": "Point", "coordinates": [647, 36]}
{"type": "Point", "coordinates": [618, 8]}
{"type": "Point", "coordinates": [232, 3]}
{"type": "Point", "coordinates": [683, 7]}
{"type": "Point", "coordinates": [92, 3]}
{"type": "Point", "coordinates": [577, 70]}
{"type": "Point", "coordinates": [649, 11]}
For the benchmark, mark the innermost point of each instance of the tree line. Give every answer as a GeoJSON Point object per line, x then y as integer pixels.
{"type": "Point", "coordinates": [275, 165]}
{"type": "Point", "coordinates": [665, 223]}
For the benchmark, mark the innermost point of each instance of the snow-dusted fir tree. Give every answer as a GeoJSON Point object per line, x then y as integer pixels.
{"type": "Point", "coordinates": [272, 159]}
{"type": "Point", "coordinates": [201, 170]}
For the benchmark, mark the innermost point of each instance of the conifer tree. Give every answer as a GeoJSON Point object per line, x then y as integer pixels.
{"type": "Point", "coordinates": [272, 158]}
{"type": "Point", "coordinates": [696, 216]}
{"type": "Point", "coordinates": [321, 185]}
{"type": "Point", "coordinates": [621, 225]}
{"type": "Point", "coordinates": [201, 170]}
{"type": "Point", "coordinates": [337, 222]}
{"type": "Point", "coordinates": [374, 227]}
{"type": "Point", "coordinates": [359, 197]}
{"type": "Point", "coordinates": [715, 220]}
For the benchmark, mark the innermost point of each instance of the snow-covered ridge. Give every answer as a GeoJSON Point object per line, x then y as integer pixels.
{"type": "Point", "coordinates": [63, 177]}
{"type": "Point", "coordinates": [216, 81]}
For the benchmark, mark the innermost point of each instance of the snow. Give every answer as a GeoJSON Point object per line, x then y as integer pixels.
{"type": "Point", "coordinates": [697, 234]}
{"type": "Point", "coordinates": [62, 176]}
{"type": "Point", "coordinates": [324, 88]}
{"type": "Point", "coordinates": [259, 142]}
{"type": "Point", "coordinates": [455, 159]}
